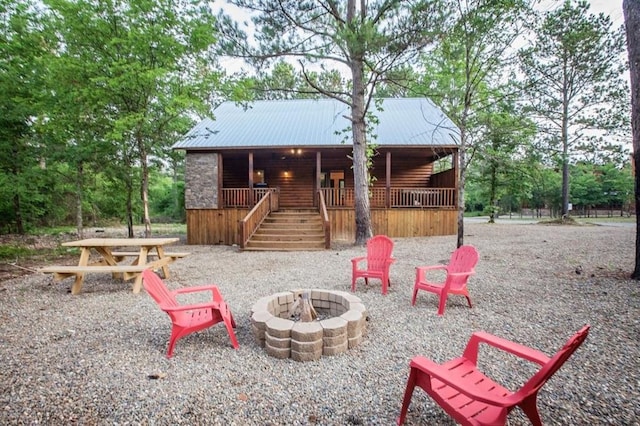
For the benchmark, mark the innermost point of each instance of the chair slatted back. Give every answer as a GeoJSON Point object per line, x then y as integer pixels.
{"type": "Point", "coordinates": [549, 369]}
{"type": "Point", "coordinates": [463, 259]}
{"type": "Point", "coordinates": [157, 290]}
{"type": "Point", "coordinates": [379, 251]}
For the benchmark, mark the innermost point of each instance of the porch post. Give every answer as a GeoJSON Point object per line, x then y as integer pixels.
{"type": "Point", "coordinates": [221, 198]}
{"type": "Point", "coordinates": [388, 183]}
{"type": "Point", "coordinates": [456, 171]}
{"type": "Point", "coordinates": [316, 201]}
{"type": "Point", "coordinates": [251, 201]}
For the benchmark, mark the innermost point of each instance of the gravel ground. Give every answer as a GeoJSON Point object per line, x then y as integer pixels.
{"type": "Point", "coordinates": [99, 357]}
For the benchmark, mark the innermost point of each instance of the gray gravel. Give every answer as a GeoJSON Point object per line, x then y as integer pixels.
{"type": "Point", "coordinates": [99, 357]}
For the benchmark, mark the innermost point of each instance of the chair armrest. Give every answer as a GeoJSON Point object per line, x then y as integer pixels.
{"type": "Point", "coordinates": [525, 352]}
{"type": "Point", "coordinates": [421, 271]}
{"type": "Point", "coordinates": [357, 260]}
{"type": "Point", "coordinates": [185, 290]}
{"type": "Point", "coordinates": [461, 274]}
{"type": "Point", "coordinates": [463, 386]}
{"type": "Point", "coordinates": [193, 307]}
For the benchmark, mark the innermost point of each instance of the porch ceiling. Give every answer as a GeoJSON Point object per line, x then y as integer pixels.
{"type": "Point", "coordinates": [428, 153]}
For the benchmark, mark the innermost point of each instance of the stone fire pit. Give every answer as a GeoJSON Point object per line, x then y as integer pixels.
{"type": "Point", "coordinates": [340, 326]}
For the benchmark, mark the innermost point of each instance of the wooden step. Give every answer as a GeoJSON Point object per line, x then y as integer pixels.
{"type": "Point", "coordinates": [291, 226]}
{"type": "Point", "coordinates": [287, 237]}
{"type": "Point", "coordinates": [294, 219]}
{"type": "Point", "coordinates": [290, 230]}
{"type": "Point", "coordinates": [285, 245]}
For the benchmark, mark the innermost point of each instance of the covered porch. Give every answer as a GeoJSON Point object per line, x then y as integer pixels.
{"type": "Point", "coordinates": [401, 178]}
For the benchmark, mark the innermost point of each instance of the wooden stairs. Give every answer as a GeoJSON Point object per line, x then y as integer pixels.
{"type": "Point", "coordinates": [289, 230]}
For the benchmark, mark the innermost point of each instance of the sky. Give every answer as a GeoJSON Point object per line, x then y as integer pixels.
{"type": "Point", "coordinates": [611, 7]}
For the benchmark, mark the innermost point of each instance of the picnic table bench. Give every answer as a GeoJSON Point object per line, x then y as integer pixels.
{"type": "Point", "coordinates": [108, 262]}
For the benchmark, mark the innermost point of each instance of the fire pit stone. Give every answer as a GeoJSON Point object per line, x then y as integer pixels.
{"type": "Point", "coordinates": [340, 326]}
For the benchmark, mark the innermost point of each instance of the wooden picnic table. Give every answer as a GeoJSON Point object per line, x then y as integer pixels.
{"type": "Point", "coordinates": [143, 250]}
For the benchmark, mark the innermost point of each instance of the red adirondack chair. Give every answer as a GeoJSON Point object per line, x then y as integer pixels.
{"type": "Point", "coordinates": [378, 261]}
{"type": "Point", "coordinates": [470, 397]}
{"type": "Point", "coordinates": [460, 268]}
{"type": "Point", "coordinates": [187, 319]}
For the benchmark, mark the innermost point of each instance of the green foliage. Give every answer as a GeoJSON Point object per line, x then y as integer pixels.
{"type": "Point", "coordinates": [574, 85]}
{"type": "Point", "coordinates": [110, 86]}
{"type": "Point", "coordinates": [605, 186]}
{"type": "Point", "coordinates": [166, 198]}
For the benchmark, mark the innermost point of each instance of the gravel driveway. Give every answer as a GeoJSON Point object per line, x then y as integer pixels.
{"type": "Point", "coordinates": [99, 357]}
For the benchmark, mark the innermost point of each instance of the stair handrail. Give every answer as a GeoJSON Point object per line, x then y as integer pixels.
{"type": "Point", "coordinates": [252, 221]}
{"type": "Point", "coordinates": [326, 224]}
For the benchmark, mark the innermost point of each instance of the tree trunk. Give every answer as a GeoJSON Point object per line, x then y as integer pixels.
{"type": "Point", "coordinates": [461, 180]}
{"type": "Point", "coordinates": [144, 189]}
{"type": "Point", "coordinates": [18, 212]}
{"type": "Point", "coordinates": [493, 202]}
{"type": "Point", "coordinates": [360, 173]}
{"type": "Point", "coordinates": [79, 196]}
{"type": "Point", "coordinates": [631, 10]}
{"type": "Point", "coordinates": [129, 207]}
{"type": "Point", "coordinates": [565, 152]}
{"type": "Point", "coordinates": [359, 134]}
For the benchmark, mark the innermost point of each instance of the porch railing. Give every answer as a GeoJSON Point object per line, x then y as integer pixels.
{"type": "Point", "coordinates": [395, 197]}
{"type": "Point", "coordinates": [253, 219]}
{"type": "Point", "coordinates": [247, 197]}
{"type": "Point", "coordinates": [326, 223]}
{"type": "Point", "coordinates": [344, 197]}
{"type": "Point", "coordinates": [423, 197]}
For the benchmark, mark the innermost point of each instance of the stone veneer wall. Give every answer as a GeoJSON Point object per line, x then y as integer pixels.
{"type": "Point", "coordinates": [308, 341]}
{"type": "Point", "coordinates": [201, 181]}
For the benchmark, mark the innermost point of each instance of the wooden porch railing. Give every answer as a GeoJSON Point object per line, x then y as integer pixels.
{"type": "Point", "coordinates": [396, 197]}
{"type": "Point", "coordinates": [344, 197]}
{"type": "Point", "coordinates": [247, 197]}
{"type": "Point", "coordinates": [326, 224]}
{"type": "Point", "coordinates": [253, 219]}
{"type": "Point", "coordinates": [423, 197]}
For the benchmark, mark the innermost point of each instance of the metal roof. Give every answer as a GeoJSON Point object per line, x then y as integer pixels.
{"type": "Point", "coordinates": [318, 123]}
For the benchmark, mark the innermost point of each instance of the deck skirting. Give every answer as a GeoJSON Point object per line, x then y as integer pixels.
{"type": "Point", "coordinates": [220, 226]}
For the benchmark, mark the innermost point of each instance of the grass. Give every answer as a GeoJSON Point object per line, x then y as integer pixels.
{"type": "Point", "coordinates": [14, 252]}
{"type": "Point", "coordinates": [45, 242]}
{"type": "Point", "coordinates": [631, 219]}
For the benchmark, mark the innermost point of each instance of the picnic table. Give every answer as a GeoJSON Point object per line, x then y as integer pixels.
{"type": "Point", "coordinates": [147, 253]}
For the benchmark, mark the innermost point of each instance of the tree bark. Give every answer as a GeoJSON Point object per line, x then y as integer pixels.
{"type": "Point", "coordinates": [631, 10]}
{"type": "Point", "coordinates": [129, 202]}
{"type": "Point", "coordinates": [79, 197]}
{"type": "Point", "coordinates": [145, 187]}
{"type": "Point", "coordinates": [565, 152]}
{"type": "Point", "coordinates": [360, 170]}
{"type": "Point", "coordinates": [359, 134]}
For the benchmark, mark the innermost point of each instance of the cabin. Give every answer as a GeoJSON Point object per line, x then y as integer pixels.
{"type": "Point", "coordinates": [277, 175]}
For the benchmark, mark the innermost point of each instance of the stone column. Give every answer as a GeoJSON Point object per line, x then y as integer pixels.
{"type": "Point", "coordinates": [201, 180]}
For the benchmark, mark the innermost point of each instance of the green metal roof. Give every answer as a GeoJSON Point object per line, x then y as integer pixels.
{"type": "Point", "coordinates": [318, 123]}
